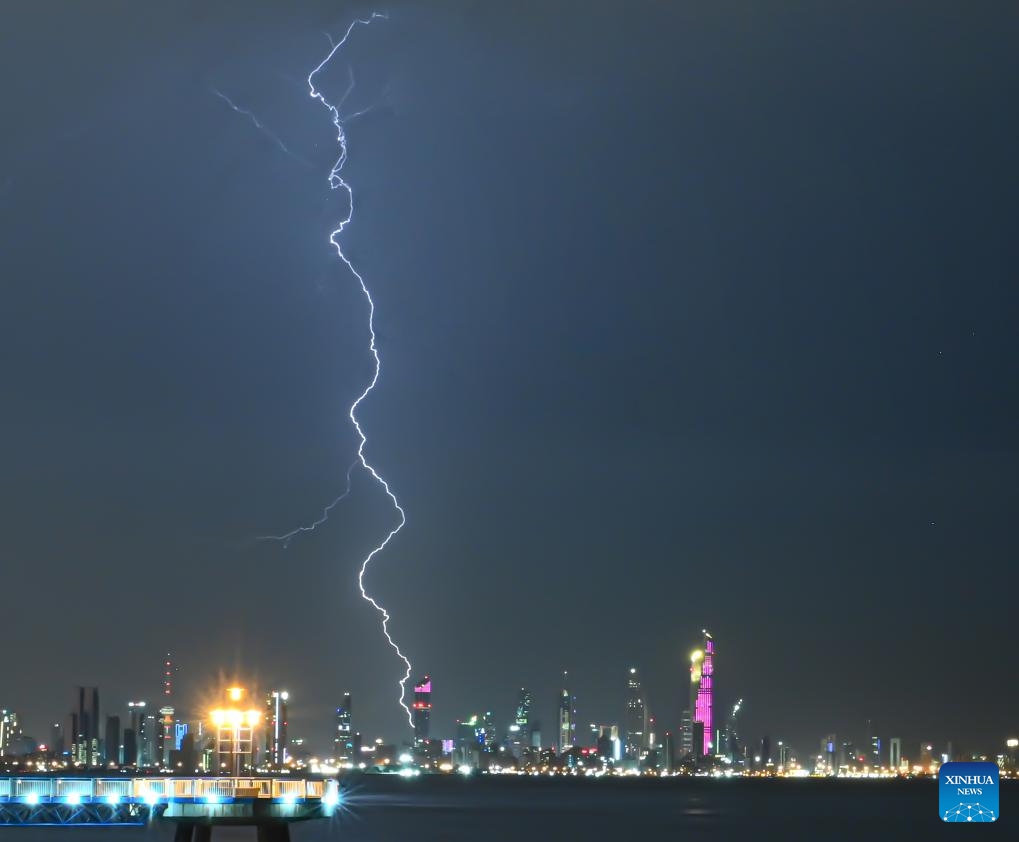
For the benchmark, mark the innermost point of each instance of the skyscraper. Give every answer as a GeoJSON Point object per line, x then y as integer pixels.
{"type": "Point", "coordinates": [111, 742]}
{"type": "Point", "coordinates": [343, 742]}
{"type": "Point", "coordinates": [422, 709]}
{"type": "Point", "coordinates": [733, 749]}
{"type": "Point", "coordinates": [702, 671]}
{"type": "Point", "coordinates": [9, 730]}
{"type": "Point", "coordinates": [520, 727]}
{"type": "Point", "coordinates": [895, 753]}
{"type": "Point", "coordinates": [139, 757]}
{"type": "Point", "coordinates": [488, 726]}
{"type": "Point", "coordinates": [166, 738]}
{"type": "Point", "coordinates": [567, 717]}
{"type": "Point", "coordinates": [129, 753]}
{"type": "Point", "coordinates": [873, 747]}
{"type": "Point", "coordinates": [84, 730]}
{"type": "Point", "coordinates": [686, 733]}
{"type": "Point", "coordinates": [276, 728]}
{"type": "Point", "coordinates": [635, 722]}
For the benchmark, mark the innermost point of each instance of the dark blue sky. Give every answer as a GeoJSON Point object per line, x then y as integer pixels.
{"type": "Point", "coordinates": [691, 315]}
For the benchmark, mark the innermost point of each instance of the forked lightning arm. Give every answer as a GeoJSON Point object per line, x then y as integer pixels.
{"type": "Point", "coordinates": [257, 123]}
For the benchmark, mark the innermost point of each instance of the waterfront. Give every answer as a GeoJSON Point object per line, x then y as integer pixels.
{"type": "Point", "coordinates": [455, 809]}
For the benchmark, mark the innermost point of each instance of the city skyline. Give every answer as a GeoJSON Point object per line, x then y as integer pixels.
{"type": "Point", "coordinates": [153, 731]}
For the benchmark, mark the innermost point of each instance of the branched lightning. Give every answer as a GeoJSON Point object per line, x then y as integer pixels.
{"type": "Point", "coordinates": [257, 123]}
{"type": "Point", "coordinates": [336, 182]}
{"type": "Point", "coordinates": [311, 527]}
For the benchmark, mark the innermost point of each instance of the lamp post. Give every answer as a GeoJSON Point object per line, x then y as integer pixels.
{"type": "Point", "coordinates": [234, 731]}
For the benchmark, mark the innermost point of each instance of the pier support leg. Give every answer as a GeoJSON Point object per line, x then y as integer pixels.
{"type": "Point", "coordinates": [183, 832]}
{"type": "Point", "coordinates": [203, 833]}
{"type": "Point", "coordinates": [274, 832]}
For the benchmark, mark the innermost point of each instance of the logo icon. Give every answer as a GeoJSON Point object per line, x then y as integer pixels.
{"type": "Point", "coordinates": [968, 792]}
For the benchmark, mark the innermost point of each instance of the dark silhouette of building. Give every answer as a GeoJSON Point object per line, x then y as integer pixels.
{"type": "Point", "coordinates": [343, 743]}
{"type": "Point", "coordinates": [111, 744]}
{"type": "Point", "coordinates": [84, 728]}
{"type": "Point", "coordinates": [130, 752]}
{"type": "Point", "coordinates": [422, 709]}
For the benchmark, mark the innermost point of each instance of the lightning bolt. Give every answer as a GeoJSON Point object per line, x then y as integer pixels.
{"type": "Point", "coordinates": [336, 182]}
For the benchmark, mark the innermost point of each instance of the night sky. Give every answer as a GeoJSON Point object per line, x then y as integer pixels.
{"type": "Point", "coordinates": [691, 314]}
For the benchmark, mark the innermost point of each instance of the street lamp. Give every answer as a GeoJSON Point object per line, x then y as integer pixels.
{"type": "Point", "coordinates": [234, 731]}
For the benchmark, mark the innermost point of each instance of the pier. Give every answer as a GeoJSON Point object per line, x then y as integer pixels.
{"type": "Point", "coordinates": [196, 805]}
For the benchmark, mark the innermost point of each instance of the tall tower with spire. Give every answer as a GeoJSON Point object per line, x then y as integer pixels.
{"type": "Point", "coordinates": [636, 724]}
{"type": "Point", "coordinates": [567, 716]}
{"type": "Point", "coordinates": [166, 740]}
{"type": "Point", "coordinates": [168, 671]}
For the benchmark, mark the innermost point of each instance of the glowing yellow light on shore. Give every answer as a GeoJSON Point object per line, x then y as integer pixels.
{"type": "Point", "coordinates": [218, 717]}
{"type": "Point", "coordinates": [696, 656]}
{"type": "Point", "coordinates": [251, 717]}
{"type": "Point", "coordinates": [235, 694]}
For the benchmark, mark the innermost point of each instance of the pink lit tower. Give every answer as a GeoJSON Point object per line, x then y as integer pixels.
{"type": "Point", "coordinates": [702, 674]}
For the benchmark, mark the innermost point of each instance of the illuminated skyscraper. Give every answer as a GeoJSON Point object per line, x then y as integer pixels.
{"type": "Point", "coordinates": [702, 693]}
{"type": "Point", "coordinates": [84, 730]}
{"type": "Point", "coordinates": [732, 747]}
{"type": "Point", "coordinates": [520, 727]}
{"type": "Point", "coordinates": [567, 717]}
{"type": "Point", "coordinates": [9, 730]}
{"type": "Point", "coordinates": [343, 742]}
{"type": "Point", "coordinates": [895, 754]}
{"type": "Point", "coordinates": [686, 733]}
{"type": "Point", "coordinates": [166, 739]}
{"type": "Point", "coordinates": [137, 754]}
{"type": "Point", "coordinates": [488, 726]}
{"type": "Point", "coordinates": [276, 728]}
{"type": "Point", "coordinates": [422, 709]}
{"type": "Point", "coordinates": [635, 724]}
